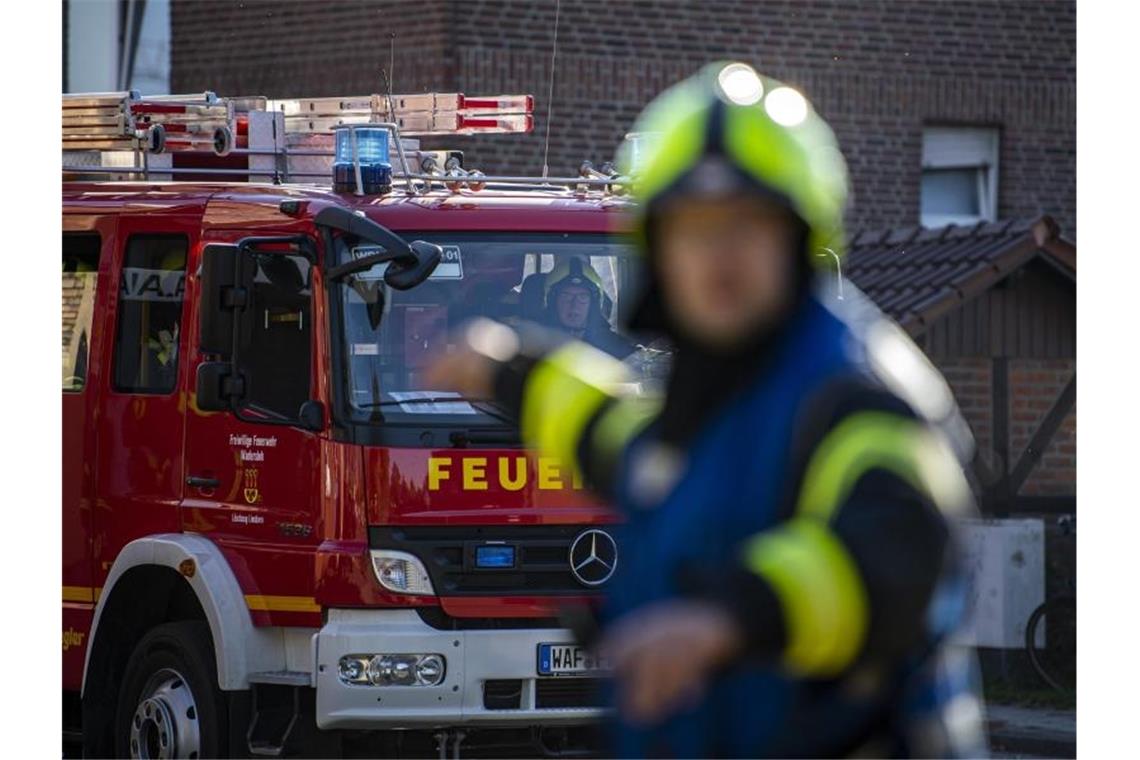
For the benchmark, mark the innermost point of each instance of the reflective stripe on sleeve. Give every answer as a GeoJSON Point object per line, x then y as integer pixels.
{"type": "Point", "coordinates": [822, 597]}
{"type": "Point", "coordinates": [820, 588]}
{"type": "Point", "coordinates": [619, 424]}
{"type": "Point", "coordinates": [563, 392]}
{"type": "Point", "coordinates": [880, 440]}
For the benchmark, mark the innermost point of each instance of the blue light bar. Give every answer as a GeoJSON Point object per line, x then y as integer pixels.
{"type": "Point", "coordinates": [494, 556]}
{"type": "Point", "coordinates": [372, 154]}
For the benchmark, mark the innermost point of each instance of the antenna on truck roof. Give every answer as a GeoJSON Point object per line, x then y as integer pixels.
{"type": "Point", "coordinates": [411, 187]}
{"type": "Point", "coordinates": [392, 66]}
{"type": "Point", "coordinates": [550, 94]}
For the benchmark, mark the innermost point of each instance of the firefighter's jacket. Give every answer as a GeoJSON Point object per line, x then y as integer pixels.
{"type": "Point", "coordinates": [815, 506]}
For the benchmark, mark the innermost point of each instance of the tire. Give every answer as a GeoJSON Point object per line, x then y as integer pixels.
{"type": "Point", "coordinates": [1056, 662]}
{"type": "Point", "coordinates": [170, 704]}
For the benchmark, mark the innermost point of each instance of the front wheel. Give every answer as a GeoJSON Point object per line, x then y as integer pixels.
{"type": "Point", "coordinates": [170, 705]}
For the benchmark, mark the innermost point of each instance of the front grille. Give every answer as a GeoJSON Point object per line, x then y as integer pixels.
{"type": "Point", "coordinates": [502, 694]}
{"type": "Point", "coordinates": [554, 693]}
{"type": "Point", "coordinates": [542, 557]}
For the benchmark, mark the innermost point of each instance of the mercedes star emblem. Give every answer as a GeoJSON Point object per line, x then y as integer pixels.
{"type": "Point", "coordinates": [593, 557]}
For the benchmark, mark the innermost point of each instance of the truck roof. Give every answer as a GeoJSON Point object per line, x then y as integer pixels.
{"type": "Point", "coordinates": [239, 204]}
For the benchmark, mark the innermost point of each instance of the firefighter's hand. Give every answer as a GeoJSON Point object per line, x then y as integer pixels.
{"type": "Point", "coordinates": [464, 370]}
{"type": "Point", "coordinates": [469, 367]}
{"type": "Point", "coordinates": [664, 654]}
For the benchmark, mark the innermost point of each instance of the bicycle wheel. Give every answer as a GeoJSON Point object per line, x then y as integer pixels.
{"type": "Point", "coordinates": [1056, 659]}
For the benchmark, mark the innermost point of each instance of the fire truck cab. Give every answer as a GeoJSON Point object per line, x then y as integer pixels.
{"type": "Point", "coordinates": [278, 539]}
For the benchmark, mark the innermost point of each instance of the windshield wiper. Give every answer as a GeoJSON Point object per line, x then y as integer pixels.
{"type": "Point", "coordinates": [502, 436]}
{"type": "Point", "coordinates": [424, 400]}
{"type": "Point", "coordinates": [486, 406]}
{"type": "Point", "coordinates": [493, 409]}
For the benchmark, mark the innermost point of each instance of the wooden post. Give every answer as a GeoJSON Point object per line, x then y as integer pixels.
{"type": "Point", "coordinates": [1000, 495]}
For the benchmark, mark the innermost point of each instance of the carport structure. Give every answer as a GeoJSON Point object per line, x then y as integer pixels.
{"type": "Point", "coordinates": [994, 307]}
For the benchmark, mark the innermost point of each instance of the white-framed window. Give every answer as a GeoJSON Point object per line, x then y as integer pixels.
{"type": "Point", "coordinates": [959, 175]}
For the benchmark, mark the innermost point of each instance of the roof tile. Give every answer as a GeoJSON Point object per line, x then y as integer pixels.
{"type": "Point", "coordinates": [963, 231]}
{"type": "Point", "coordinates": [921, 306]}
{"type": "Point", "coordinates": [902, 235]}
{"type": "Point", "coordinates": [930, 233]}
{"type": "Point", "coordinates": [991, 229]}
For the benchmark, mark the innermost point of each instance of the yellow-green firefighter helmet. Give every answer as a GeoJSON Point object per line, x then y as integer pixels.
{"type": "Point", "coordinates": [727, 123]}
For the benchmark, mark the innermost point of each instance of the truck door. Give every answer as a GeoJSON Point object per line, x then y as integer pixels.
{"type": "Point", "coordinates": [88, 242]}
{"type": "Point", "coordinates": [140, 409]}
{"type": "Point", "coordinates": [252, 468]}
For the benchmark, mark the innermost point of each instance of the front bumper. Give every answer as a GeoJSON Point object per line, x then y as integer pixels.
{"type": "Point", "coordinates": [473, 657]}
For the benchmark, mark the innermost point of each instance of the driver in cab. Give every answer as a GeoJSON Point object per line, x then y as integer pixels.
{"type": "Point", "coordinates": [574, 304]}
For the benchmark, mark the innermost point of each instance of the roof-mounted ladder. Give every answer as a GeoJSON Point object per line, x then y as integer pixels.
{"type": "Point", "coordinates": [205, 137]}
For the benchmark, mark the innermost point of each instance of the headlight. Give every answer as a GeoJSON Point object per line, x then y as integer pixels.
{"type": "Point", "coordinates": [393, 669]}
{"type": "Point", "coordinates": [401, 572]}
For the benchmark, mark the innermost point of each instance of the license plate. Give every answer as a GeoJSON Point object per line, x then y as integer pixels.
{"type": "Point", "coordinates": [568, 660]}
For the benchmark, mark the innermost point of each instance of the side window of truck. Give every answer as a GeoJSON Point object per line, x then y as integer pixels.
{"type": "Point", "coordinates": [274, 348]}
{"type": "Point", "coordinates": [150, 314]}
{"type": "Point", "coordinates": [80, 275]}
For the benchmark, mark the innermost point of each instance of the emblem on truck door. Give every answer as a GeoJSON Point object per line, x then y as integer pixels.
{"type": "Point", "coordinates": [251, 492]}
{"type": "Point", "coordinates": [593, 557]}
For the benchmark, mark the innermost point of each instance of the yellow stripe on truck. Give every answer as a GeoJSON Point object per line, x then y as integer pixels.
{"type": "Point", "coordinates": [261, 603]}
{"type": "Point", "coordinates": [85, 594]}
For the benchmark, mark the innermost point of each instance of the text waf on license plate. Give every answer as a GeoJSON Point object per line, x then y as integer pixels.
{"type": "Point", "coordinates": [568, 659]}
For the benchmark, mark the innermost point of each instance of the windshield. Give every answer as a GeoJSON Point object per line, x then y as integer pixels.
{"type": "Point", "coordinates": [572, 283]}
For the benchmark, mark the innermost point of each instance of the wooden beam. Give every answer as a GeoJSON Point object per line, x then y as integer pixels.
{"type": "Point", "coordinates": [1045, 431]}
{"type": "Point", "coordinates": [999, 493]}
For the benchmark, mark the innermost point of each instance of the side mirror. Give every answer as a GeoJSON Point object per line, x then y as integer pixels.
{"type": "Point", "coordinates": [410, 264]}
{"type": "Point", "coordinates": [220, 295]}
{"type": "Point", "coordinates": [312, 415]}
{"type": "Point", "coordinates": [404, 275]}
{"type": "Point", "coordinates": [217, 385]}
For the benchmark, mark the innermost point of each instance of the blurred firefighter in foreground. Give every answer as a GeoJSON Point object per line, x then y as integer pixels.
{"type": "Point", "coordinates": [788, 576]}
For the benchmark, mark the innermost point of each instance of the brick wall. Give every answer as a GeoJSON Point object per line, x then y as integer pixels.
{"type": "Point", "coordinates": [309, 48]}
{"type": "Point", "coordinates": [878, 71]}
{"type": "Point", "coordinates": [970, 380]}
{"type": "Point", "coordinates": [1034, 385]}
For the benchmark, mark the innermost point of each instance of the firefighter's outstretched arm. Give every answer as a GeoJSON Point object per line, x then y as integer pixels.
{"type": "Point", "coordinates": [572, 400]}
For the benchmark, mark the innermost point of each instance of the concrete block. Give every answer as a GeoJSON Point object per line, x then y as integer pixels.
{"type": "Point", "coordinates": [1005, 561]}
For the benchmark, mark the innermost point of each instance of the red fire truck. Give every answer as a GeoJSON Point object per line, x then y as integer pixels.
{"type": "Point", "coordinates": [276, 538]}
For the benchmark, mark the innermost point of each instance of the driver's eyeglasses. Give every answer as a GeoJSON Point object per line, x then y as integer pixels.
{"type": "Point", "coordinates": [580, 299]}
